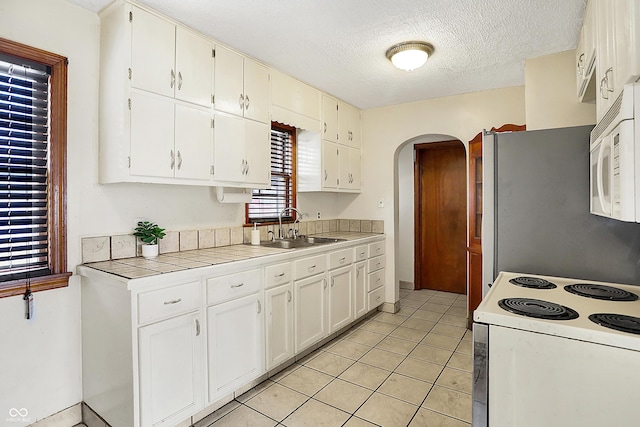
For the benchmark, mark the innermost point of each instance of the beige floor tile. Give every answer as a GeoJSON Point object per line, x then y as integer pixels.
{"type": "Point", "coordinates": [277, 401]}
{"type": "Point", "coordinates": [349, 349]}
{"type": "Point", "coordinates": [447, 295]}
{"type": "Point", "coordinates": [362, 336]}
{"type": "Point", "coordinates": [461, 303]}
{"type": "Point", "coordinates": [410, 303]}
{"type": "Point", "coordinates": [405, 388]}
{"type": "Point", "coordinates": [440, 341]}
{"type": "Point", "coordinates": [431, 354]}
{"type": "Point", "coordinates": [438, 308]}
{"type": "Point", "coordinates": [465, 347]}
{"type": "Point", "coordinates": [386, 411]}
{"type": "Point", "coordinates": [343, 395]}
{"type": "Point", "coordinates": [405, 311]}
{"type": "Point", "coordinates": [365, 375]}
{"type": "Point", "coordinates": [306, 380]}
{"type": "Point", "coordinates": [421, 325]}
{"type": "Point", "coordinates": [378, 327]}
{"type": "Point", "coordinates": [211, 418]}
{"type": "Point", "coordinates": [330, 363]}
{"type": "Point", "coordinates": [455, 379]}
{"type": "Point", "coordinates": [449, 331]}
{"type": "Point", "coordinates": [419, 295]}
{"type": "Point", "coordinates": [427, 418]}
{"type": "Point", "coordinates": [396, 345]}
{"type": "Point", "coordinates": [461, 361]}
{"type": "Point", "coordinates": [468, 335]}
{"type": "Point", "coordinates": [420, 369]}
{"type": "Point", "coordinates": [257, 389]}
{"type": "Point", "coordinates": [394, 319]}
{"type": "Point", "coordinates": [244, 417]}
{"type": "Point", "coordinates": [450, 319]}
{"type": "Point", "coordinates": [382, 359]}
{"type": "Point", "coordinates": [431, 316]}
{"type": "Point", "coordinates": [316, 414]}
{"type": "Point", "coordinates": [449, 402]}
{"type": "Point", "coordinates": [358, 422]}
{"type": "Point", "coordinates": [443, 301]}
{"type": "Point", "coordinates": [409, 334]}
{"type": "Point", "coordinates": [286, 371]}
{"type": "Point", "coordinates": [457, 311]}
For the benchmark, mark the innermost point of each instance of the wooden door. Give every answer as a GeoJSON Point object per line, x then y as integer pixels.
{"type": "Point", "coordinates": [474, 250]}
{"type": "Point", "coordinates": [441, 224]}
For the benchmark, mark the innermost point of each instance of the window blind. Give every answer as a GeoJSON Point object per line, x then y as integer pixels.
{"type": "Point", "coordinates": [24, 138]}
{"type": "Point", "coordinates": [266, 204]}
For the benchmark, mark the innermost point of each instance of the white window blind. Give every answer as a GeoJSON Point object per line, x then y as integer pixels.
{"type": "Point", "coordinates": [266, 204]}
{"type": "Point", "coordinates": [24, 139]}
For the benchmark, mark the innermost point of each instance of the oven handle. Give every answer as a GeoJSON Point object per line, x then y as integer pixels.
{"type": "Point", "coordinates": [606, 207]}
{"type": "Point", "coordinates": [480, 408]}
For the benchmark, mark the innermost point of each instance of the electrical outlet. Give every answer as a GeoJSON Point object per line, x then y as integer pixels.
{"type": "Point", "coordinates": [318, 215]}
{"type": "Point", "coordinates": [381, 202]}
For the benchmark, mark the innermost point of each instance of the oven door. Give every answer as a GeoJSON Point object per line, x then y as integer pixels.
{"type": "Point", "coordinates": [480, 408]}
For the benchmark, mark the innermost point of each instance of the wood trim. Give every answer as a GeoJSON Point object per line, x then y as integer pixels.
{"type": "Point", "coordinates": [57, 198]}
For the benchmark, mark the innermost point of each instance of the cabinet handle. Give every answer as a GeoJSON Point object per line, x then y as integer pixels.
{"type": "Point", "coordinates": [378, 250]}
{"type": "Point", "coordinates": [288, 296]}
{"type": "Point", "coordinates": [333, 281]}
{"type": "Point", "coordinates": [311, 267]}
{"type": "Point", "coordinates": [603, 92]}
{"type": "Point", "coordinates": [378, 299]}
{"type": "Point", "coordinates": [377, 281]}
{"type": "Point", "coordinates": [325, 127]}
{"type": "Point", "coordinates": [246, 102]}
{"type": "Point", "coordinates": [259, 307]}
{"type": "Point", "coordinates": [179, 80]}
{"type": "Point", "coordinates": [246, 171]}
{"type": "Point", "coordinates": [173, 160]}
{"type": "Point", "coordinates": [361, 254]}
{"type": "Point", "coordinates": [606, 74]}
{"type": "Point", "coordinates": [241, 102]}
{"type": "Point", "coordinates": [358, 272]}
{"type": "Point", "coordinates": [325, 283]}
{"type": "Point", "coordinates": [197, 328]}
{"type": "Point", "coordinates": [341, 260]}
{"type": "Point", "coordinates": [237, 285]}
{"type": "Point", "coordinates": [581, 65]}
{"type": "Point", "coordinates": [279, 275]}
{"type": "Point", "coordinates": [175, 301]}
{"type": "Point", "coordinates": [173, 78]}
{"type": "Point", "coordinates": [179, 160]}
{"type": "Point", "coordinates": [325, 174]}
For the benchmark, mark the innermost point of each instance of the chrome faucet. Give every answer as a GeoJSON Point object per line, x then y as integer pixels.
{"type": "Point", "coordinates": [280, 232]}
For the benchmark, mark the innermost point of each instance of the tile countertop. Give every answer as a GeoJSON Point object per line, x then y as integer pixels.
{"type": "Point", "coordinates": [138, 267]}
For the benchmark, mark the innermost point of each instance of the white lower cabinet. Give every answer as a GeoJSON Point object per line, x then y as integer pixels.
{"type": "Point", "coordinates": [279, 313]}
{"type": "Point", "coordinates": [340, 298]}
{"type": "Point", "coordinates": [360, 289]}
{"type": "Point", "coordinates": [171, 370]}
{"type": "Point", "coordinates": [310, 310]}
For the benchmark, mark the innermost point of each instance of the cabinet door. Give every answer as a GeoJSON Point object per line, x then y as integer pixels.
{"type": "Point", "coordinates": [354, 161]}
{"type": "Point", "coordinates": [309, 307]}
{"type": "Point", "coordinates": [193, 143]}
{"type": "Point", "coordinates": [330, 118]}
{"type": "Point", "coordinates": [256, 91]}
{"type": "Point", "coordinates": [194, 67]}
{"type": "Point", "coordinates": [152, 135]}
{"type": "Point", "coordinates": [605, 58]}
{"type": "Point", "coordinates": [235, 344]}
{"type": "Point", "coordinates": [344, 123]}
{"type": "Point", "coordinates": [279, 312]}
{"type": "Point", "coordinates": [257, 153]}
{"type": "Point", "coordinates": [355, 140]}
{"type": "Point", "coordinates": [153, 47]}
{"type": "Point", "coordinates": [229, 90]}
{"type": "Point", "coordinates": [171, 370]}
{"type": "Point", "coordinates": [360, 290]}
{"type": "Point", "coordinates": [330, 178]}
{"type": "Point", "coordinates": [228, 156]}
{"type": "Point", "coordinates": [340, 298]}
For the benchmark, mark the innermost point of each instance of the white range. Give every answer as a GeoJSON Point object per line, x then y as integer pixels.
{"type": "Point", "coordinates": [552, 351]}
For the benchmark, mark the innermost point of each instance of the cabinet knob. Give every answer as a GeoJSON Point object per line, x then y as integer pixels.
{"type": "Point", "coordinates": [247, 102]}
{"type": "Point", "coordinates": [241, 102]}
{"type": "Point", "coordinates": [173, 79]}
{"type": "Point", "coordinates": [179, 160]}
{"type": "Point", "coordinates": [179, 80]}
{"type": "Point", "coordinates": [173, 160]}
{"type": "Point", "coordinates": [197, 327]}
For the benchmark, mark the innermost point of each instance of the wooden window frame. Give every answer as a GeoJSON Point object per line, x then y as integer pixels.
{"type": "Point", "coordinates": [294, 178]}
{"type": "Point", "coordinates": [57, 191]}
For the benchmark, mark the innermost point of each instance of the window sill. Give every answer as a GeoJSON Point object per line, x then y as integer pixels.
{"type": "Point", "coordinates": [37, 284]}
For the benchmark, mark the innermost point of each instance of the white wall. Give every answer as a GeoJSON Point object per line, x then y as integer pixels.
{"type": "Point", "coordinates": [386, 129]}
{"type": "Point", "coordinates": [551, 100]}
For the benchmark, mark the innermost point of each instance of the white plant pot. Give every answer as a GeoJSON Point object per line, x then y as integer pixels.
{"type": "Point", "coordinates": [149, 251]}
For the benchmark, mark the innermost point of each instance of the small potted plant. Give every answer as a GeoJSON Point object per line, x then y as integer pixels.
{"type": "Point", "coordinates": [149, 233]}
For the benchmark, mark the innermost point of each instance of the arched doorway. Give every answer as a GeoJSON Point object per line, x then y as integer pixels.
{"type": "Point", "coordinates": [440, 193]}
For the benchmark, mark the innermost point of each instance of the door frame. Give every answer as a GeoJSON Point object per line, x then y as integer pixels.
{"type": "Point", "coordinates": [417, 190]}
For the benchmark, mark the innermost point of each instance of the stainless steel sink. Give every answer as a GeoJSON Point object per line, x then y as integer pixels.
{"type": "Point", "coordinates": [300, 242]}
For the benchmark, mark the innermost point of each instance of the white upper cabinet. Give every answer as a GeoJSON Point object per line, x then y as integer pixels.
{"type": "Point", "coordinates": [170, 60]}
{"type": "Point", "coordinates": [329, 118]}
{"type": "Point", "coordinates": [585, 57]}
{"type": "Point", "coordinates": [241, 86]}
{"type": "Point", "coordinates": [294, 103]}
{"type": "Point", "coordinates": [348, 125]}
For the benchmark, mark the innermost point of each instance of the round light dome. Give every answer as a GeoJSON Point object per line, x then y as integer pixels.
{"type": "Point", "coordinates": [409, 55]}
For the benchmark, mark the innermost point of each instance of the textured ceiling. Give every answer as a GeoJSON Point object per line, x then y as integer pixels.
{"type": "Point", "coordinates": [339, 46]}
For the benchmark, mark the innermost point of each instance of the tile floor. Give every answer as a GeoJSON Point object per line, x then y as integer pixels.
{"type": "Point", "coordinates": [412, 368]}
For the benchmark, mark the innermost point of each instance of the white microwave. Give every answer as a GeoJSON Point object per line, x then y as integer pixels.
{"type": "Point", "coordinates": [613, 189]}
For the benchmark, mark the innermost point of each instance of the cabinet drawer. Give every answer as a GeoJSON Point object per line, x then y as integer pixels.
{"type": "Point", "coordinates": [376, 249]}
{"type": "Point", "coordinates": [278, 274]}
{"type": "Point", "coordinates": [376, 280]}
{"type": "Point", "coordinates": [233, 286]}
{"type": "Point", "coordinates": [340, 258]}
{"type": "Point", "coordinates": [309, 266]}
{"type": "Point", "coordinates": [376, 263]}
{"type": "Point", "coordinates": [167, 302]}
{"type": "Point", "coordinates": [362, 253]}
{"type": "Point", "coordinates": [376, 298]}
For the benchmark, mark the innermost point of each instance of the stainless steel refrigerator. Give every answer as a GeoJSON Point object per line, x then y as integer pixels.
{"type": "Point", "coordinates": [536, 216]}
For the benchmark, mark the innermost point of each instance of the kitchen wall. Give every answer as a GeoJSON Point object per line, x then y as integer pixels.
{"type": "Point", "coordinates": [386, 130]}
{"type": "Point", "coordinates": [550, 93]}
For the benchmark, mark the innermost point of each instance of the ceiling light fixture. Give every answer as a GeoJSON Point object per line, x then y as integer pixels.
{"type": "Point", "coordinates": [409, 55]}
